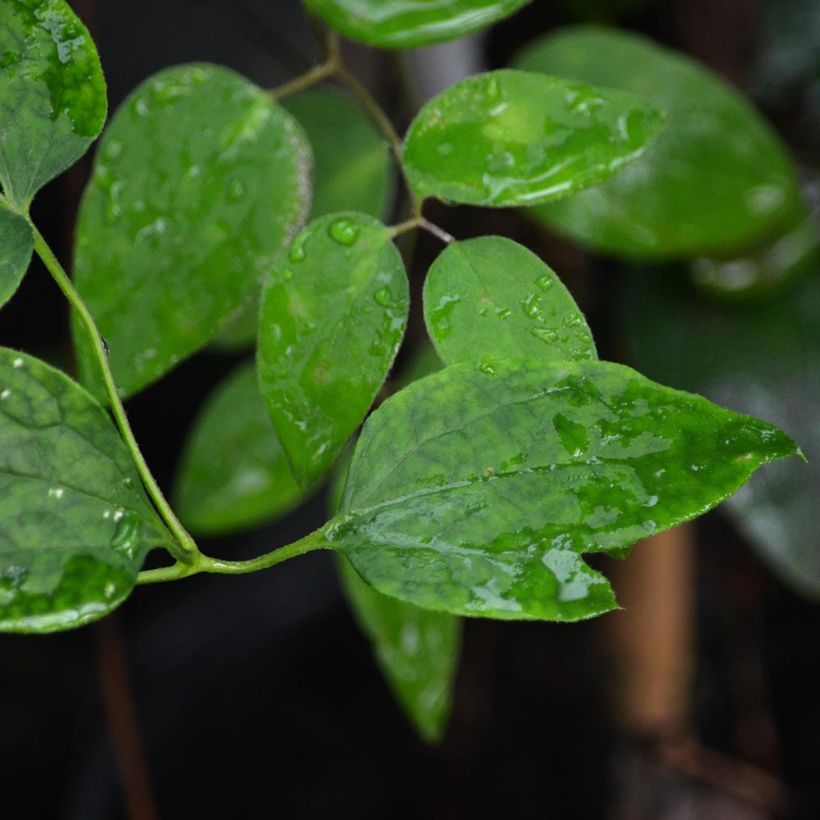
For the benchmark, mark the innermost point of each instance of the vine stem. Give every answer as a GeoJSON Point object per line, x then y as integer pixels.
{"type": "Point", "coordinates": [424, 224]}
{"type": "Point", "coordinates": [203, 563]}
{"type": "Point", "coordinates": [185, 549]}
{"type": "Point", "coordinates": [306, 80]}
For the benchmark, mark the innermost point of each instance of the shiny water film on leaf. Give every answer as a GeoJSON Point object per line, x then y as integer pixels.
{"type": "Point", "coordinates": [233, 474]}
{"type": "Point", "coordinates": [510, 138]}
{"type": "Point", "coordinates": [493, 298]}
{"type": "Point", "coordinates": [477, 490]}
{"type": "Point", "coordinates": [52, 94]}
{"type": "Point", "coordinates": [761, 358]}
{"type": "Point", "coordinates": [75, 523]}
{"type": "Point", "coordinates": [16, 245]}
{"type": "Point", "coordinates": [718, 177]}
{"type": "Point", "coordinates": [199, 183]}
{"type": "Point", "coordinates": [332, 320]}
{"type": "Point", "coordinates": [411, 23]}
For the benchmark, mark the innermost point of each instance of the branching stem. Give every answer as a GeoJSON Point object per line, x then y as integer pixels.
{"type": "Point", "coordinates": [425, 225]}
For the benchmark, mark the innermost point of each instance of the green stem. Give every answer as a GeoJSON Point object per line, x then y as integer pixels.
{"type": "Point", "coordinates": [185, 550]}
{"type": "Point", "coordinates": [306, 80]}
{"type": "Point", "coordinates": [203, 563]}
{"type": "Point", "coordinates": [425, 225]}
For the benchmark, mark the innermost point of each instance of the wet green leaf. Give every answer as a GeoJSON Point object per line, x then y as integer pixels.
{"type": "Point", "coordinates": [509, 138]}
{"type": "Point", "coordinates": [52, 94]}
{"type": "Point", "coordinates": [75, 523]}
{"type": "Point", "coordinates": [352, 164]}
{"type": "Point", "coordinates": [16, 245]}
{"type": "Point", "coordinates": [233, 473]}
{"type": "Point", "coordinates": [759, 358]}
{"type": "Point", "coordinates": [331, 323]}
{"type": "Point", "coordinates": [411, 23]}
{"type": "Point", "coordinates": [477, 491]}
{"type": "Point", "coordinates": [200, 181]}
{"type": "Point", "coordinates": [492, 298]}
{"type": "Point", "coordinates": [416, 649]}
{"type": "Point", "coordinates": [717, 179]}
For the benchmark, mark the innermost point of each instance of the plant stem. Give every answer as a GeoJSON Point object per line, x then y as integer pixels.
{"type": "Point", "coordinates": [184, 550]}
{"type": "Point", "coordinates": [203, 563]}
{"type": "Point", "coordinates": [306, 80]}
{"type": "Point", "coordinates": [424, 224]}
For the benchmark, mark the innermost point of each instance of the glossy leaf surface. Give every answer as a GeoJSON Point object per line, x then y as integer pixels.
{"type": "Point", "coordinates": [332, 320]}
{"type": "Point", "coordinates": [478, 492]}
{"type": "Point", "coordinates": [510, 138]}
{"type": "Point", "coordinates": [233, 473]}
{"type": "Point", "coordinates": [52, 94]}
{"type": "Point", "coordinates": [717, 179]}
{"type": "Point", "coordinates": [758, 358]}
{"type": "Point", "coordinates": [492, 298]}
{"type": "Point", "coordinates": [75, 524]}
{"type": "Point", "coordinates": [200, 181]}
{"type": "Point", "coordinates": [411, 23]}
{"type": "Point", "coordinates": [16, 245]}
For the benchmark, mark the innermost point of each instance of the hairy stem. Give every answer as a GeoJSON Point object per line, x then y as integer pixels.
{"type": "Point", "coordinates": [184, 550]}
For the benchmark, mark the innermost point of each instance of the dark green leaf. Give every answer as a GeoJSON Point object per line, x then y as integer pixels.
{"type": "Point", "coordinates": [200, 181]}
{"type": "Point", "coordinates": [717, 179]}
{"type": "Point", "coordinates": [331, 323]}
{"type": "Point", "coordinates": [16, 245]}
{"type": "Point", "coordinates": [233, 473]}
{"type": "Point", "coordinates": [416, 649]}
{"type": "Point", "coordinates": [513, 138]}
{"type": "Point", "coordinates": [477, 491]}
{"type": "Point", "coordinates": [52, 94]}
{"type": "Point", "coordinates": [759, 358]}
{"type": "Point", "coordinates": [75, 523]}
{"type": "Point", "coordinates": [492, 298]}
{"type": "Point", "coordinates": [411, 23]}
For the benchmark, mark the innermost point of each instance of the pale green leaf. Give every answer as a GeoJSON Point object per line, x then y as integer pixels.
{"type": "Point", "coordinates": [16, 245]}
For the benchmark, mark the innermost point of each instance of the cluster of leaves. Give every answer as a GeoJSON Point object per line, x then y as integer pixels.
{"type": "Point", "coordinates": [475, 490]}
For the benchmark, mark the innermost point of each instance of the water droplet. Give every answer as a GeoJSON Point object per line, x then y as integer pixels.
{"type": "Point", "coordinates": [236, 190]}
{"type": "Point", "coordinates": [545, 334]}
{"type": "Point", "coordinates": [18, 362]}
{"type": "Point", "coordinates": [141, 107]}
{"type": "Point", "coordinates": [344, 231]}
{"type": "Point", "coordinates": [287, 274]}
{"type": "Point", "coordinates": [56, 492]}
{"type": "Point", "coordinates": [545, 282]}
{"type": "Point", "coordinates": [486, 367]}
{"type": "Point", "coordinates": [502, 313]}
{"type": "Point", "coordinates": [445, 149]}
{"type": "Point", "coordinates": [383, 296]}
{"type": "Point", "coordinates": [113, 149]}
{"type": "Point", "coordinates": [5, 394]}
{"type": "Point", "coordinates": [532, 306]}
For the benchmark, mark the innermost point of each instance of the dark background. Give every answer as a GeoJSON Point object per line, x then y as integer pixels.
{"type": "Point", "coordinates": [256, 696]}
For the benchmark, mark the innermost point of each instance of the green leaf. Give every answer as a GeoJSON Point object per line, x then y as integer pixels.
{"type": "Point", "coordinates": [492, 298]}
{"type": "Point", "coordinates": [200, 182]}
{"type": "Point", "coordinates": [331, 323]}
{"type": "Point", "coordinates": [477, 492]}
{"type": "Point", "coordinates": [52, 94]}
{"type": "Point", "coordinates": [416, 649]}
{"type": "Point", "coordinates": [411, 23]}
{"type": "Point", "coordinates": [75, 523]}
{"type": "Point", "coordinates": [509, 138]}
{"type": "Point", "coordinates": [233, 474]}
{"type": "Point", "coordinates": [758, 358]}
{"type": "Point", "coordinates": [16, 245]}
{"type": "Point", "coordinates": [352, 163]}
{"type": "Point", "coordinates": [717, 179]}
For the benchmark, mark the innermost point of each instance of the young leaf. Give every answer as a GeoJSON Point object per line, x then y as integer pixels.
{"type": "Point", "coordinates": [52, 94]}
{"type": "Point", "coordinates": [717, 179]}
{"type": "Point", "coordinates": [477, 491]}
{"type": "Point", "coordinates": [492, 298]}
{"type": "Point", "coordinates": [332, 320]}
{"type": "Point", "coordinates": [233, 473]}
{"type": "Point", "coordinates": [75, 523]}
{"type": "Point", "coordinates": [411, 23]}
{"type": "Point", "coordinates": [757, 358]}
{"type": "Point", "coordinates": [16, 245]}
{"type": "Point", "coordinates": [200, 181]}
{"type": "Point", "coordinates": [352, 164]}
{"type": "Point", "coordinates": [509, 138]}
{"type": "Point", "coordinates": [416, 649]}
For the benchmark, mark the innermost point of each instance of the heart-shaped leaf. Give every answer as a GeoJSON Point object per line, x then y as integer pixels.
{"type": "Point", "coordinates": [52, 94]}
{"type": "Point", "coordinates": [233, 473]}
{"type": "Point", "coordinates": [477, 491]}
{"type": "Point", "coordinates": [16, 245]}
{"type": "Point", "coordinates": [75, 523]}
{"type": "Point", "coordinates": [492, 298]}
{"type": "Point", "coordinates": [331, 322]}
{"type": "Point", "coordinates": [509, 138]}
{"type": "Point", "coordinates": [717, 179]}
{"type": "Point", "coordinates": [411, 23]}
{"type": "Point", "coordinates": [200, 182]}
